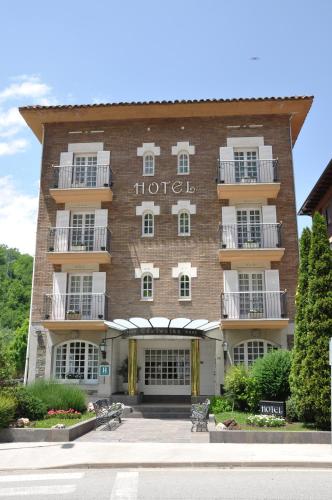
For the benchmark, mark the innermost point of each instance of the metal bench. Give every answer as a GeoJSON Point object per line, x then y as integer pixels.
{"type": "Point", "coordinates": [107, 411]}
{"type": "Point", "coordinates": [199, 416]}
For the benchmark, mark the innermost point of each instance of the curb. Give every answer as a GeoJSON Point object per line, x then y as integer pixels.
{"type": "Point", "coordinates": [176, 465]}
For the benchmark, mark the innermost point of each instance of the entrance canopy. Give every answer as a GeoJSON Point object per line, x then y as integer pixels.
{"type": "Point", "coordinates": [162, 327]}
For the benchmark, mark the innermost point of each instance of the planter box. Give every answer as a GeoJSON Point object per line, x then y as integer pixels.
{"type": "Point", "coordinates": [255, 315]}
{"type": "Point", "coordinates": [271, 437]}
{"type": "Point", "coordinates": [73, 316]}
{"type": "Point", "coordinates": [30, 435]}
{"type": "Point", "coordinates": [249, 244]}
{"type": "Point", "coordinates": [78, 248]}
{"type": "Point", "coordinates": [248, 180]}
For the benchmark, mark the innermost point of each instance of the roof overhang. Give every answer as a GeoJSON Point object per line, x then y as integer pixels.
{"type": "Point", "coordinates": [160, 327]}
{"type": "Point", "coordinates": [294, 107]}
{"type": "Point", "coordinates": [317, 193]}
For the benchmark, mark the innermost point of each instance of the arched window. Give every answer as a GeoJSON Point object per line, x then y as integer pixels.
{"type": "Point", "coordinates": [148, 164]}
{"type": "Point", "coordinates": [183, 162]}
{"type": "Point", "coordinates": [77, 359]}
{"type": "Point", "coordinates": [184, 223]}
{"type": "Point", "coordinates": [184, 287]}
{"type": "Point", "coordinates": [147, 287]}
{"type": "Point", "coordinates": [148, 224]}
{"type": "Point", "coordinates": [247, 352]}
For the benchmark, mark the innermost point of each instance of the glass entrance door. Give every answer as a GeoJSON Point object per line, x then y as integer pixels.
{"type": "Point", "coordinates": [82, 237]}
{"type": "Point", "coordinates": [167, 367]}
{"type": "Point", "coordinates": [85, 171]}
{"type": "Point", "coordinates": [79, 302]}
{"type": "Point", "coordinates": [246, 166]}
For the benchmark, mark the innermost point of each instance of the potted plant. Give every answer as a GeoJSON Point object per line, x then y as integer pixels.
{"type": "Point", "coordinates": [250, 244]}
{"type": "Point", "coordinates": [74, 378]}
{"type": "Point", "coordinates": [123, 372]}
{"type": "Point", "coordinates": [73, 314]}
{"type": "Point", "coordinates": [255, 313]}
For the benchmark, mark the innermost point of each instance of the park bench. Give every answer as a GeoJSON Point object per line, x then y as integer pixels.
{"type": "Point", "coordinates": [107, 411]}
{"type": "Point", "coordinates": [199, 415]}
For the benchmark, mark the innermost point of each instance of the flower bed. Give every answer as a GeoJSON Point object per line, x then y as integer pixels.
{"type": "Point", "coordinates": [266, 421]}
{"type": "Point", "coordinates": [67, 414]}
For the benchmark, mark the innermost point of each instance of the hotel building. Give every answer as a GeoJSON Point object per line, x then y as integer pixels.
{"type": "Point", "coordinates": [167, 242]}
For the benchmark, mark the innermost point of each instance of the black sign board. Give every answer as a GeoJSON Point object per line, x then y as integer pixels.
{"type": "Point", "coordinates": [276, 408]}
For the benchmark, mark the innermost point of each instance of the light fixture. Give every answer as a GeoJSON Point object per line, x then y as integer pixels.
{"type": "Point", "coordinates": [225, 346]}
{"type": "Point", "coordinates": [102, 347]}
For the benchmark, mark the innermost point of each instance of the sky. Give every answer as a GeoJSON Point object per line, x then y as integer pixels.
{"type": "Point", "coordinates": [78, 51]}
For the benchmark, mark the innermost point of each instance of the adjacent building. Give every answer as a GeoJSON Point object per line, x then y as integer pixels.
{"type": "Point", "coordinates": [320, 199]}
{"type": "Point", "coordinates": [167, 243]}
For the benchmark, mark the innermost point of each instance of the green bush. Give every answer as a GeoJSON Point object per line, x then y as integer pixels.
{"type": "Point", "coordinates": [271, 375]}
{"type": "Point", "coordinates": [292, 413]}
{"type": "Point", "coordinates": [57, 396]}
{"type": "Point", "coordinates": [220, 404]}
{"type": "Point", "coordinates": [237, 387]}
{"type": "Point", "coordinates": [29, 406]}
{"type": "Point", "coordinates": [7, 410]}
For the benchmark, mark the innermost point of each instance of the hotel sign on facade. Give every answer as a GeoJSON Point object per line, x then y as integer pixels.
{"type": "Point", "coordinates": [164, 187]}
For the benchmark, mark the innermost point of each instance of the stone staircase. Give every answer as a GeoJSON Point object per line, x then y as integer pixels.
{"type": "Point", "coordinates": [161, 411]}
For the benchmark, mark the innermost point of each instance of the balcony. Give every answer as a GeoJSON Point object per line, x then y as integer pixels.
{"type": "Point", "coordinates": [78, 245]}
{"type": "Point", "coordinates": [254, 309]}
{"type": "Point", "coordinates": [249, 180]}
{"type": "Point", "coordinates": [241, 243]}
{"type": "Point", "coordinates": [82, 183]}
{"type": "Point", "coordinates": [75, 311]}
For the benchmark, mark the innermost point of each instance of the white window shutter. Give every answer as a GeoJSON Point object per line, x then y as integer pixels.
{"type": "Point", "coordinates": [266, 170]}
{"type": "Point", "coordinates": [270, 231]}
{"type": "Point", "coordinates": [229, 228]}
{"type": "Point", "coordinates": [231, 298]}
{"type": "Point", "coordinates": [227, 172]}
{"type": "Point", "coordinates": [103, 162]}
{"type": "Point", "coordinates": [273, 304]}
{"type": "Point", "coordinates": [59, 295]}
{"type": "Point", "coordinates": [61, 236]}
{"type": "Point", "coordinates": [98, 297]}
{"type": "Point", "coordinates": [100, 235]}
{"type": "Point", "coordinates": [65, 174]}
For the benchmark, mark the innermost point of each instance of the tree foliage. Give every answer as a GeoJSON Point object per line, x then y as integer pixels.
{"type": "Point", "coordinates": [271, 374]}
{"type": "Point", "coordinates": [315, 405]}
{"type": "Point", "coordinates": [300, 335]}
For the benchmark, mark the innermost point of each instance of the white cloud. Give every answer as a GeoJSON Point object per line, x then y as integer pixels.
{"type": "Point", "coordinates": [18, 217]}
{"type": "Point", "coordinates": [32, 88]}
{"type": "Point", "coordinates": [13, 147]}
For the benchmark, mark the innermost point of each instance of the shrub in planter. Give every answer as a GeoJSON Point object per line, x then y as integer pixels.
{"type": "Point", "coordinates": [57, 396]}
{"type": "Point", "coordinates": [220, 404]}
{"type": "Point", "coordinates": [7, 410]}
{"type": "Point", "coordinates": [29, 406]}
{"type": "Point", "coordinates": [271, 375]}
{"type": "Point", "coordinates": [236, 386]}
{"type": "Point", "coordinates": [292, 413]}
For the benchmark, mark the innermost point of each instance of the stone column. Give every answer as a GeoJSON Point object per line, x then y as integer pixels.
{"type": "Point", "coordinates": [132, 367]}
{"type": "Point", "coordinates": [195, 368]}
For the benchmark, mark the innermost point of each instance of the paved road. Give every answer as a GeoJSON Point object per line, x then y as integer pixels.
{"type": "Point", "coordinates": [170, 484]}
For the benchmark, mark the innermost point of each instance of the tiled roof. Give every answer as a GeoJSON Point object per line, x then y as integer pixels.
{"type": "Point", "coordinates": [181, 101]}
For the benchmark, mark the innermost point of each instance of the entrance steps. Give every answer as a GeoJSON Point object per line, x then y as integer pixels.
{"type": "Point", "coordinates": [160, 411]}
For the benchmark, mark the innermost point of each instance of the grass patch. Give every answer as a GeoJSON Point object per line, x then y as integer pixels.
{"type": "Point", "coordinates": [241, 418]}
{"type": "Point", "coordinates": [47, 423]}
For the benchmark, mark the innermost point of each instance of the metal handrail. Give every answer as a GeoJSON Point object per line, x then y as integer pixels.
{"type": "Point", "coordinates": [264, 235]}
{"type": "Point", "coordinates": [261, 171]}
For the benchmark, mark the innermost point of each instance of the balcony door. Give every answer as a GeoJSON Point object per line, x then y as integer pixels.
{"type": "Point", "coordinates": [85, 170]}
{"type": "Point", "coordinates": [251, 286]}
{"type": "Point", "coordinates": [79, 298]}
{"type": "Point", "coordinates": [246, 165]}
{"type": "Point", "coordinates": [249, 232]}
{"type": "Point", "coordinates": [82, 234]}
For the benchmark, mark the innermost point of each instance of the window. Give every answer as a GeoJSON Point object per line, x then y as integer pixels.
{"type": "Point", "coordinates": [167, 367]}
{"type": "Point", "coordinates": [148, 164]}
{"type": "Point", "coordinates": [183, 163]}
{"type": "Point", "coordinates": [77, 360]}
{"type": "Point", "coordinates": [249, 229]}
{"type": "Point", "coordinates": [184, 223]}
{"type": "Point", "coordinates": [85, 170]}
{"type": "Point", "coordinates": [247, 352]}
{"type": "Point", "coordinates": [82, 233]}
{"type": "Point", "coordinates": [79, 298]}
{"type": "Point", "coordinates": [147, 287]}
{"type": "Point", "coordinates": [184, 287]}
{"type": "Point", "coordinates": [251, 286]}
{"type": "Point", "coordinates": [246, 166]}
{"type": "Point", "coordinates": [148, 224]}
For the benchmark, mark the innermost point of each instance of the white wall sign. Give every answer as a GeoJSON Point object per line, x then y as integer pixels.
{"type": "Point", "coordinates": [164, 187]}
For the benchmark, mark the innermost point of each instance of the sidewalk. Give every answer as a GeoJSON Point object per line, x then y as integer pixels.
{"type": "Point", "coordinates": [19, 456]}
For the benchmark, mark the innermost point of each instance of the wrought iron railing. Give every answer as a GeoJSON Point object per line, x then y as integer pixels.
{"type": "Point", "coordinates": [247, 171]}
{"type": "Point", "coordinates": [82, 176]}
{"type": "Point", "coordinates": [79, 239]}
{"type": "Point", "coordinates": [76, 306]}
{"type": "Point", "coordinates": [250, 236]}
{"type": "Point", "coordinates": [254, 305]}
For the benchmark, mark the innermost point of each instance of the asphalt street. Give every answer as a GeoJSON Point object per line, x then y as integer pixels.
{"type": "Point", "coordinates": [170, 484]}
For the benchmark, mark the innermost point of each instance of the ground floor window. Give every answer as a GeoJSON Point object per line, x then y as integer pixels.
{"type": "Point", "coordinates": [77, 360]}
{"type": "Point", "coordinates": [247, 352]}
{"type": "Point", "coordinates": [167, 366]}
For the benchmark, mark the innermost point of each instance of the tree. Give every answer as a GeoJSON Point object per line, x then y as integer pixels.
{"type": "Point", "coordinates": [297, 383]}
{"type": "Point", "coordinates": [18, 347]}
{"type": "Point", "coordinates": [316, 405]}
